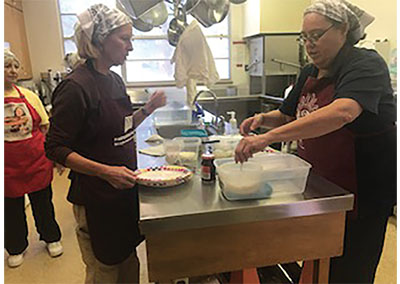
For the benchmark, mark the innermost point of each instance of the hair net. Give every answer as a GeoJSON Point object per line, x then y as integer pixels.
{"type": "Point", "coordinates": [98, 21]}
{"type": "Point", "coordinates": [9, 56]}
{"type": "Point", "coordinates": [343, 12]}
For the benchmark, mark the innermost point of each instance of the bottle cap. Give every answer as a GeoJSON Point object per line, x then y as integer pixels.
{"type": "Point", "coordinates": [207, 156]}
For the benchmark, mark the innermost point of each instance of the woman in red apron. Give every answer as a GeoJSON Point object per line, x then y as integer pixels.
{"type": "Point", "coordinates": [92, 131]}
{"type": "Point", "coordinates": [26, 168]}
{"type": "Point", "coordinates": [342, 113]}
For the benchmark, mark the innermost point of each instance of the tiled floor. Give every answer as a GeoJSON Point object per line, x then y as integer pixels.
{"type": "Point", "coordinates": [39, 267]}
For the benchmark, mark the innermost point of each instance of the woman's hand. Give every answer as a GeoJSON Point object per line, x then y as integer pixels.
{"type": "Point", "coordinates": [156, 100]}
{"type": "Point", "coordinates": [119, 177]}
{"type": "Point", "coordinates": [250, 145]}
{"type": "Point", "coordinates": [59, 168]}
{"type": "Point", "coordinates": [250, 124]}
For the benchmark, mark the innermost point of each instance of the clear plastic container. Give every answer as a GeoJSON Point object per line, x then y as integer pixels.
{"type": "Point", "coordinates": [173, 114]}
{"type": "Point", "coordinates": [189, 152]}
{"type": "Point", "coordinates": [172, 149]}
{"type": "Point", "coordinates": [280, 174]}
{"type": "Point", "coordinates": [176, 111]}
{"type": "Point", "coordinates": [226, 147]}
{"type": "Point", "coordinates": [285, 173]}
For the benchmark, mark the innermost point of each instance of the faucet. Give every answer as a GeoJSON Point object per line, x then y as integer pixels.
{"type": "Point", "coordinates": [219, 121]}
{"type": "Point", "coordinates": [215, 102]}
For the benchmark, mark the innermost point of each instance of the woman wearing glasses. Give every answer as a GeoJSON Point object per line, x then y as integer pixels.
{"type": "Point", "coordinates": [342, 113]}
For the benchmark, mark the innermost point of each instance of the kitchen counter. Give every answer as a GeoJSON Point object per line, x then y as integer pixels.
{"type": "Point", "coordinates": [196, 204]}
{"type": "Point", "coordinates": [183, 214]}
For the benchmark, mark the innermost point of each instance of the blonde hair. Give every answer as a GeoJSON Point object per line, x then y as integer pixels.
{"type": "Point", "coordinates": [86, 49]}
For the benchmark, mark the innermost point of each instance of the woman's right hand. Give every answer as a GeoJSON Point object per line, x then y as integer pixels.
{"type": "Point", "coordinates": [156, 100]}
{"type": "Point", "coordinates": [251, 124]}
{"type": "Point", "coordinates": [119, 177]}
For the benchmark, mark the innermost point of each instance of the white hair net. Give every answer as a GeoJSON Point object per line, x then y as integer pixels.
{"type": "Point", "coordinates": [99, 20]}
{"type": "Point", "coordinates": [343, 12]}
{"type": "Point", "coordinates": [9, 56]}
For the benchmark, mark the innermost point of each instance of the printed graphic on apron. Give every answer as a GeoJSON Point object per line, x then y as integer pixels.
{"type": "Point", "coordinates": [307, 104]}
{"type": "Point", "coordinates": [17, 122]}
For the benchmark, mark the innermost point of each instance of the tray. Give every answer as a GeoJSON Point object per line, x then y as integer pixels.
{"type": "Point", "coordinates": [265, 192]}
{"type": "Point", "coordinates": [164, 176]}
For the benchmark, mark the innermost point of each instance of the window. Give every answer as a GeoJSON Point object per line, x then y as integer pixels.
{"type": "Point", "coordinates": [150, 60]}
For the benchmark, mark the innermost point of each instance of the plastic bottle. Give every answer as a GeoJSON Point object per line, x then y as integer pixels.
{"type": "Point", "coordinates": [202, 124]}
{"type": "Point", "coordinates": [233, 123]}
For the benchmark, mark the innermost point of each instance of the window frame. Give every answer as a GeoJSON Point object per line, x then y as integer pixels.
{"type": "Point", "coordinates": [166, 83]}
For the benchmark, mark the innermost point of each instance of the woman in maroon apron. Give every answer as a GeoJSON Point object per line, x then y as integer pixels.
{"type": "Point", "coordinates": [342, 113]}
{"type": "Point", "coordinates": [92, 131]}
{"type": "Point", "coordinates": [26, 169]}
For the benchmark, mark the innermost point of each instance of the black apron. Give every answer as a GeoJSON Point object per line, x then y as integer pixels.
{"type": "Point", "coordinates": [112, 214]}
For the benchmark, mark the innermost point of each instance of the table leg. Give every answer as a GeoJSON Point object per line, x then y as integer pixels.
{"type": "Point", "coordinates": [323, 270]}
{"type": "Point", "coordinates": [315, 271]}
{"type": "Point", "coordinates": [245, 276]}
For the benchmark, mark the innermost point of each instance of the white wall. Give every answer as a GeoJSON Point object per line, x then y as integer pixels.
{"type": "Point", "coordinates": [385, 24]}
{"type": "Point", "coordinates": [282, 15]}
{"type": "Point", "coordinates": [42, 23]}
{"type": "Point", "coordinates": [251, 10]}
{"type": "Point", "coordinates": [239, 53]}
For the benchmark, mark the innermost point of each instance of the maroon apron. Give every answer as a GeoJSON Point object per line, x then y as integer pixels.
{"type": "Point", "coordinates": [332, 155]}
{"type": "Point", "coordinates": [112, 214]}
{"type": "Point", "coordinates": [26, 168]}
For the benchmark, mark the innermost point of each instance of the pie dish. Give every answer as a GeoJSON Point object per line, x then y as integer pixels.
{"type": "Point", "coordinates": [164, 176]}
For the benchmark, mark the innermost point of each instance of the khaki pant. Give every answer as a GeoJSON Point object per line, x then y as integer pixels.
{"type": "Point", "coordinates": [97, 272]}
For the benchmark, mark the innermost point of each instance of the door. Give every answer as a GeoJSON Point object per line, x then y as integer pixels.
{"type": "Point", "coordinates": [15, 34]}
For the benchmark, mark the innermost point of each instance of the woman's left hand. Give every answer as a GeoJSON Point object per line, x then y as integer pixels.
{"type": "Point", "coordinates": [250, 145]}
{"type": "Point", "coordinates": [156, 100]}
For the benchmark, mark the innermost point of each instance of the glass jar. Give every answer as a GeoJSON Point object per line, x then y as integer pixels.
{"type": "Point", "coordinates": [207, 168]}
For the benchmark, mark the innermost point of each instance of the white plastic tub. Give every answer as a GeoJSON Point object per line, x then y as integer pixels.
{"type": "Point", "coordinates": [239, 179]}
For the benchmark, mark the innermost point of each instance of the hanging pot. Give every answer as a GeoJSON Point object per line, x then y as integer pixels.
{"type": "Point", "coordinates": [218, 11]}
{"type": "Point", "coordinates": [156, 16]}
{"type": "Point", "coordinates": [136, 8]}
{"type": "Point", "coordinates": [141, 26]}
{"type": "Point", "coordinates": [199, 9]}
{"type": "Point", "coordinates": [237, 1]}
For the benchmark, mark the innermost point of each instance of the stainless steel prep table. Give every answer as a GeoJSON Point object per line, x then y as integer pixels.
{"type": "Point", "coordinates": [192, 230]}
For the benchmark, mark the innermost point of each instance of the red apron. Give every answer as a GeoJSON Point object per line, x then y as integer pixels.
{"type": "Point", "coordinates": [26, 168]}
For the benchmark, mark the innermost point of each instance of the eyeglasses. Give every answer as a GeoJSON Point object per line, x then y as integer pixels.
{"type": "Point", "coordinates": [313, 37]}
